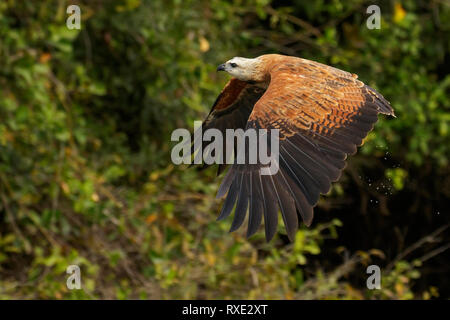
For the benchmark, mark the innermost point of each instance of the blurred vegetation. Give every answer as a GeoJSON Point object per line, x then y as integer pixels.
{"type": "Point", "coordinates": [85, 170]}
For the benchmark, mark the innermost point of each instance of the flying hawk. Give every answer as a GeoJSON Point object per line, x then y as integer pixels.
{"type": "Point", "coordinates": [322, 114]}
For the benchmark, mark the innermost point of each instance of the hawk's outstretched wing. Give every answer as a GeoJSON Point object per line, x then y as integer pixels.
{"type": "Point", "coordinates": [230, 111]}
{"type": "Point", "coordinates": [323, 114]}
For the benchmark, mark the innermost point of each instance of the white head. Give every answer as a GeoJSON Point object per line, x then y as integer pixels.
{"type": "Point", "coordinates": [242, 68]}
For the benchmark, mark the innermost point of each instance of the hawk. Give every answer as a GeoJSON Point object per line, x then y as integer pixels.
{"type": "Point", "coordinates": [322, 114]}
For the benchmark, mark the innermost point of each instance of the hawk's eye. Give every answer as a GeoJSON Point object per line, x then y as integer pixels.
{"type": "Point", "coordinates": [233, 65]}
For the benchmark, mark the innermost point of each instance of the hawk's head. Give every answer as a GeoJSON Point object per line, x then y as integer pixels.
{"type": "Point", "coordinates": [242, 68]}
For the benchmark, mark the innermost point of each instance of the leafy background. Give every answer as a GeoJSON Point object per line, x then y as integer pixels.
{"type": "Point", "coordinates": [85, 171]}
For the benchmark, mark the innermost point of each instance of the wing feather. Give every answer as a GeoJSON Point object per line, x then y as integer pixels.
{"type": "Point", "coordinates": [242, 203]}
{"type": "Point", "coordinates": [256, 204]}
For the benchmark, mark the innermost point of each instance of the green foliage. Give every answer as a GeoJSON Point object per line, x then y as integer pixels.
{"type": "Point", "coordinates": [397, 176]}
{"type": "Point", "coordinates": [85, 123]}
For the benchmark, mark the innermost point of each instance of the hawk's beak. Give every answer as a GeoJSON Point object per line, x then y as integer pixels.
{"type": "Point", "coordinates": [221, 67]}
